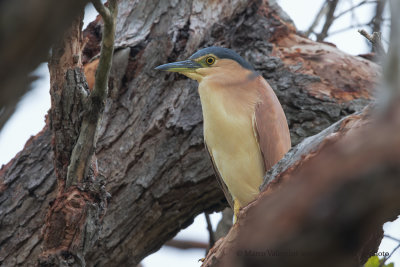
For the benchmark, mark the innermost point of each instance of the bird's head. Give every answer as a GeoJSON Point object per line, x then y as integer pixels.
{"type": "Point", "coordinates": [211, 61]}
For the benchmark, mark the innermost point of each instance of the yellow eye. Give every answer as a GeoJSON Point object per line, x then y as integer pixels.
{"type": "Point", "coordinates": [210, 60]}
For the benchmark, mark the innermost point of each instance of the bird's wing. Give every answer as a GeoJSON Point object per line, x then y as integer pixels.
{"type": "Point", "coordinates": [270, 126]}
{"type": "Point", "coordinates": [220, 181]}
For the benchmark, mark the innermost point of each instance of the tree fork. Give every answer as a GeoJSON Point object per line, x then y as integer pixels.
{"type": "Point", "coordinates": [74, 219]}
{"type": "Point", "coordinates": [84, 148]}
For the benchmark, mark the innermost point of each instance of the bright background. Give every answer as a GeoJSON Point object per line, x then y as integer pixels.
{"type": "Point", "coordinates": [29, 120]}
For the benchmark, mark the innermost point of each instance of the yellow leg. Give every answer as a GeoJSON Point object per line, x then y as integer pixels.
{"type": "Point", "coordinates": [236, 207]}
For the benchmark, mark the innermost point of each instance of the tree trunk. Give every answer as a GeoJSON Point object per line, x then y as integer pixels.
{"type": "Point", "coordinates": [150, 147]}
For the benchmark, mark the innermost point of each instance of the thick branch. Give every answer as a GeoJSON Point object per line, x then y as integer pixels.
{"type": "Point", "coordinates": [28, 30]}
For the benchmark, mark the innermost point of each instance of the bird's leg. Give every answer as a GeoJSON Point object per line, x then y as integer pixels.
{"type": "Point", "coordinates": [236, 207]}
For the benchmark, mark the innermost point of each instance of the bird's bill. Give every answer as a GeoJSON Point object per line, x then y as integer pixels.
{"type": "Point", "coordinates": [180, 66]}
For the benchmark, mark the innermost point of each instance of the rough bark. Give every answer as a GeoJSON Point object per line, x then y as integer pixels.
{"type": "Point", "coordinates": [67, 214]}
{"type": "Point", "coordinates": [150, 144]}
{"type": "Point", "coordinates": [68, 90]}
{"type": "Point", "coordinates": [83, 152]}
{"type": "Point", "coordinates": [28, 186]}
{"type": "Point", "coordinates": [73, 222]}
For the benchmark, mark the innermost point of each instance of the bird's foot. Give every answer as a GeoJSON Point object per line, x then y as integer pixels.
{"type": "Point", "coordinates": [236, 208]}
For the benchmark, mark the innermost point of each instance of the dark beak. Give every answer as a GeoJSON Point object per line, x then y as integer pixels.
{"type": "Point", "coordinates": [180, 66]}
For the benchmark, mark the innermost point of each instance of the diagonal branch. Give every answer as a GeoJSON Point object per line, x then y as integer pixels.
{"type": "Point", "coordinates": [329, 18]}
{"type": "Point", "coordinates": [318, 17]}
{"type": "Point", "coordinates": [103, 10]}
{"type": "Point", "coordinates": [355, 7]}
{"type": "Point", "coordinates": [84, 148]}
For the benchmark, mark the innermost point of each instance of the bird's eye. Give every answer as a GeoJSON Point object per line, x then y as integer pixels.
{"type": "Point", "coordinates": [210, 60]}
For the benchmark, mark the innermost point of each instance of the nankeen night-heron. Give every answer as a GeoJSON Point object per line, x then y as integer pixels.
{"type": "Point", "coordinates": [245, 128]}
